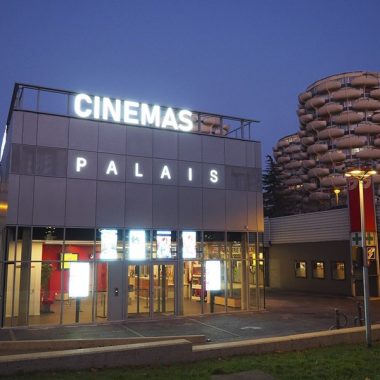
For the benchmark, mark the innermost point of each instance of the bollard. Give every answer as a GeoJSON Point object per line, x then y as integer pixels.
{"type": "Point", "coordinates": [337, 319]}
{"type": "Point", "coordinates": [360, 314]}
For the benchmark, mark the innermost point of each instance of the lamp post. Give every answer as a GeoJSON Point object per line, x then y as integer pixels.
{"type": "Point", "coordinates": [360, 175]}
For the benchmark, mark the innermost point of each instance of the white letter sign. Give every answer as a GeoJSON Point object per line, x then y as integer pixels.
{"type": "Point", "coordinates": [81, 163]}
{"type": "Point", "coordinates": [111, 168]}
{"type": "Point", "coordinates": [165, 173]}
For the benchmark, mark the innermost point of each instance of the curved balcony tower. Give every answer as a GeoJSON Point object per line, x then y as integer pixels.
{"type": "Point", "coordinates": [339, 127]}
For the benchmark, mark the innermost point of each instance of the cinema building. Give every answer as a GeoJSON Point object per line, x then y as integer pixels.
{"type": "Point", "coordinates": [113, 209]}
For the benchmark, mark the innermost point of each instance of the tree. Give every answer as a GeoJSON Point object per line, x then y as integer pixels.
{"type": "Point", "coordinates": [275, 200]}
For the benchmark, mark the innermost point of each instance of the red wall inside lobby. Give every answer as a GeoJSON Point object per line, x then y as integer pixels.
{"type": "Point", "coordinates": [52, 252]}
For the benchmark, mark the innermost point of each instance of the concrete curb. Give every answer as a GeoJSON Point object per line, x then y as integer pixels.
{"type": "Point", "coordinates": [286, 343]}
{"type": "Point", "coordinates": [174, 351]}
{"type": "Point", "coordinates": [166, 352]}
{"type": "Point", "coordinates": [30, 346]}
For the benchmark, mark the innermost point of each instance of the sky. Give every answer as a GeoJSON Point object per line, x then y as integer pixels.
{"type": "Point", "coordinates": [246, 58]}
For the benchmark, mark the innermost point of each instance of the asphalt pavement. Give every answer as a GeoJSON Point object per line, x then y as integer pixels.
{"type": "Point", "coordinates": [285, 314]}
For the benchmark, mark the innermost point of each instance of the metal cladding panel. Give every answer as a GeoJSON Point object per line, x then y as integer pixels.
{"type": "Point", "coordinates": [66, 161]}
{"type": "Point", "coordinates": [16, 127]}
{"type": "Point", "coordinates": [320, 226]}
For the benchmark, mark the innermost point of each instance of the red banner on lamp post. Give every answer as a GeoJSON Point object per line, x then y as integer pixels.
{"type": "Point", "coordinates": [354, 204]}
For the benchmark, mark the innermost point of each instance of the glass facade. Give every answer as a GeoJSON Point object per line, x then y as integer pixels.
{"type": "Point", "coordinates": [66, 276]}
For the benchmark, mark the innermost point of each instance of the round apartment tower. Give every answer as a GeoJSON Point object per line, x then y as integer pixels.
{"type": "Point", "coordinates": [339, 120]}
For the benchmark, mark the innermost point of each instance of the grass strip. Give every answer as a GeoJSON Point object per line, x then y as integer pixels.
{"type": "Point", "coordinates": [339, 362]}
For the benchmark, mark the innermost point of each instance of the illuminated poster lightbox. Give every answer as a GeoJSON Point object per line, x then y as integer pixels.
{"type": "Point", "coordinates": [164, 243]}
{"type": "Point", "coordinates": [213, 275]}
{"type": "Point", "coordinates": [137, 245]}
{"type": "Point", "coordinates": [67, 258]}
{"type": "Point", "coordinates": [108, 249]}
{"type": "Point", "coordinates": [79, 280]}
{"type": "Point", "coordinates": [189, 244]}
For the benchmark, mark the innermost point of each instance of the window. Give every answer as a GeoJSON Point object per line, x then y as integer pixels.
{"type": "Point", "coordinates": [337, 270]}
{"type": "Point", "coordinates": [318, 269]}
{"type": "Point", "coordinates": [300, 269]}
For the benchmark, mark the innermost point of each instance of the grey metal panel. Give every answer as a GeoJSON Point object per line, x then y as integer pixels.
{"type": "Point", "coordinates": [13, 192]}
{"type": "Point", "coordinates": [190, 208]}
{"type": "Point", "coordinates": [235, 152]}
{"type": "Point", "coordinates": [236, 210]}
{"type": "Point", "coordinates": [207, 176]}
{"type": "Point", "coordinates": [236, 178]}
{"type": "Point", "coordinates": [116, 169]}
{"type": "Point", "coordinates": [254, 179]}
{"type": "Point", "coordinates": [80, 203]}
{"type": "Point", "coordinates": [260, 212]}
{"type": "Point", "coordinates": [165, 144]}
{"type": "Point", "coordinates": [49, 201]}
{"type": "Point", "coordinates": [144, 168]}
{"type": "Point", "coordinates": [89, 171]}
{"type": "Point", "coordinates": [213, 149]}
{"type": "Point", "coordinates": [167, 169]}
{"type": "Point", "coordinates": [190, 147]}
{"type": "Point", "coordinates": [250, 152]}
{"type": "Point", "coordinates": [252, 211]}
{"type": "Point", "coordinates": [267, 233]}
{"type": "Point", "coordinates": [110, 204]}
{"type": "Point", "coordinates": [83, 134]}
{"type": "Point", "coordinates": [311, 227]}
{"type": "Point", "coordinates": [16, 127]}
{"type": "Point", "coordinates": [29, 134]}
{"type": "Point", "coordinates": [115, 298]}
{"type": "Point", "coordinates": [25, 202]}
{"type": "Point", "coordinates": [23, 159]}
{"type": "Point", "coordinates": [165, 207]}
{"type": "Point", "coordinates": [139, 141]}
{"type": "Point", "coordinates": [258, 154]}
{"type": "Point", "coordinates": [214, 209]}
{"type": "Point", "coordinates": [184, 174]}
{"type": "Point", "coordinates": [53, 131]}
{"type": "Point", "coordinates": [138, 205]}
{"type": "Point", "coordinates": [112, 138]}
{"type": "Point", "coordinates": [51, 161]}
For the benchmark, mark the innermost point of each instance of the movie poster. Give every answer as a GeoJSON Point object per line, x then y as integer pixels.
{"type": "Point", "coordinates": [137, 245]}
{"type": "Point", "coordinates": [79, 280]}
{"type": "Point", "coordinates": [189, 244]}
{"type": "Point", "coordinates": [213, 275]}
{"type": "Point", "coordinates": [164, 244]}
{"type": "Point", "coordinates": [108, 249]}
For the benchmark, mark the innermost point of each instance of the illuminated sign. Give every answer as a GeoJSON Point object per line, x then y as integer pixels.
{"type": "Point", "coordinates": [213, 275]}
{"type": "Point", "coordinates": [108, 248]}
{"type": "Point", "coordinates": [66, 259]}
{"type": "Point", "coordinates": [164, 244]}
{"type": "Point", "coordinates": [3, 142]}
{"type": "Point", "coordinates": [137, 245]}
{"type": "Point", "coordinates": [189, 242]}
{"type": "Point", "coordinates": [79, 280]}
{"type": "Point", "coordinates": [165, 172]}
{"type": "Point", "coordinates": [133, 113]}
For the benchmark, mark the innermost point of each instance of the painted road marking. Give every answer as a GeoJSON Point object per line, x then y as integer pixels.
{"type": "Point", "coordinates": [251, 328]}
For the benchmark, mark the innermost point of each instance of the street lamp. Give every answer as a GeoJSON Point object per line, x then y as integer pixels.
{"type": "Point", "coordinates": [337, 192]}
{"type": "Point", "coordinates": [360, 175]}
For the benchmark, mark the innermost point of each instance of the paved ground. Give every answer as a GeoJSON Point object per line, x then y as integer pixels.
{"type": "Point", "coordinates": [285, 314]}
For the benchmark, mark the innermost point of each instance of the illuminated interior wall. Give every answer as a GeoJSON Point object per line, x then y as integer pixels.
{"type": "Point", "coordinates": [35, 280]}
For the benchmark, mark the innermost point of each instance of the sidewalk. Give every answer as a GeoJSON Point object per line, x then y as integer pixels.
{"type": "Point", "coordinates": [286, 314]}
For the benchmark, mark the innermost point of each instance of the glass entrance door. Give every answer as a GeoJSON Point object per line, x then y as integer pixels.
{"type": "Point", "coordinates": [163, 289]}
{"type": "Point", "coordinates": [138, 287]}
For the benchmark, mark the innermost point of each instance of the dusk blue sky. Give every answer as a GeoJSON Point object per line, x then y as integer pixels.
{"type": "Point", "coordinates": [245, 57]}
